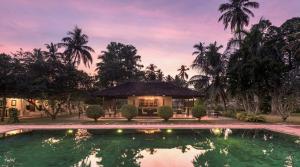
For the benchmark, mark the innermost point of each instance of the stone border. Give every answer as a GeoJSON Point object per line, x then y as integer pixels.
{"type": "Point", "coordinates": [287, 129]}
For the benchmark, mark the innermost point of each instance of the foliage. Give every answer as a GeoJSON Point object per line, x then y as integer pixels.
{"type": "Point", "coordinates": [261, 67]}
{"type": "Point", "coordinates": [249, 117]}
{"type": "Point", "coordinates": [229, 113]}
{"type": "Point", "coordinates": [212, 63]}
{"type": "Point", "coordinates": [151, 74]}
{"type": "Point", "coordinates": [52, 76]}
{"type": "Point", "coordinates": [95, 112]}
{"type": "Point", "coordinates": [219, 108]}
{"type": "Point", "coordinates": [182, 72]}
{"type": "Point", "coordinates": [13, 115]}
{"type": "Point", "coordinates": [198, 111]}
{"type": "Point", "coordinates": [119, 63]}
{"type": "Point", "coordinates": [236, 14]}
{"type": "Point", "coordinates": [9, 70]}
{"type": "Point", "coordinates": [76, 48]}
{"type": "Point", "coordinates": [129, 111]}
{"type": "Point", "coordinates": [297, 110]}
{"type": "Point", "coordinates": [165, 112]}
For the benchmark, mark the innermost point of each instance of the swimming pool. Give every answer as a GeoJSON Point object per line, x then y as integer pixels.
{"type": "Point", "coordinates": [148, 148]}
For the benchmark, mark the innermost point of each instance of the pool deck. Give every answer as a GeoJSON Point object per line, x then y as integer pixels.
{"type": "Point", "coordinates": [282, 128]}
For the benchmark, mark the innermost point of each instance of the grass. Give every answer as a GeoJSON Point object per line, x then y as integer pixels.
{"type": "Point", "coordinates": [293, 119]}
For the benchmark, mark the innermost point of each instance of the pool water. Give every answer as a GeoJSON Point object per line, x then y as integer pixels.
{"type": "Point", "coordinates": [150, 148]}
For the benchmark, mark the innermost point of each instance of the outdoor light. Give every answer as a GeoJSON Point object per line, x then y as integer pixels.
{"type": "Point", "coordinates": [13, 132]}
{"type": "Point", "coordinates": [217, 131]}
{"type": "Point", "coordinates": [119, 131]}
{"type": "Point", "coordinates": [169, 131]}
{"type": "Point", "coordinates": [70, 131]}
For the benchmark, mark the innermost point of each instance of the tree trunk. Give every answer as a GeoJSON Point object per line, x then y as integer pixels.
{"type": "Point", "coordinates": [224, 102]}
{"type": "Point", "coordinates": [3, 108]}
{"type": "Point", "coordinates": [69, 104]}
{"type": "Point", "coordinates": [53, 116]}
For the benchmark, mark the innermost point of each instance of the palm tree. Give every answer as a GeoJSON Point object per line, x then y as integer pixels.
{"type": "Point", "coordinates": [236, 14]}
{"type": "Point", "coordinates": [211, 62]}
{"type": "Point", "coordinates": [150, 73]}
{"type": "Point", "coordinates": [76, 48]}
{"type": "Point", "coordinates": [199, 52]}
{"type": "Point", "coordinates": [169, 78]}
{"type": "Point", "coordinates": [160, 75]}
{"type": "Point", "coordinates": [182, 72]}
{"type": "Point", "coordinates": [52, 52]}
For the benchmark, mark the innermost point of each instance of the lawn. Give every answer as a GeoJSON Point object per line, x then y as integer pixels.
{"type": "Point", "coordinates": [293, 119]}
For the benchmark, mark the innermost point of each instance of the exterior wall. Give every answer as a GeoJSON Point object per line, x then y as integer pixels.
{"type": "Point", "coordinates": [21, 104]}
{"type": "Point", "coordinates": [162, 100]}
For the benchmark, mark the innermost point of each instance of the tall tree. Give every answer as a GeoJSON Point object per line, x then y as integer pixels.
{"type": "Point", "coordinates": [182, 72]}
{"type": "Point", "coordinates": [7, 80]}
{"type": "Point", "coordinates": [160, 75]}
{"type": "Point", "coordinates": [119, 63]}
{"type": "Point", "coordinates": [256, 68]}
{"type": "Point", "coordinates": [236, 14]}
{"type": "Point", "coordinates": [150, 73]}
{"type": "Point", "coordinates": [76, 48]}
{"type": "Point", "coordinates": [52, 52]}
{"type": "Point", "coordinates": [211, 63]}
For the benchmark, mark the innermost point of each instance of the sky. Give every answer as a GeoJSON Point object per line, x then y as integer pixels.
{"type": "Point", "coordinates": [163, 31]}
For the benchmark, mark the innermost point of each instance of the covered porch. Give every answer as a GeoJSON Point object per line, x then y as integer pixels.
{"type": "Point", "coordinates": [148, 97]}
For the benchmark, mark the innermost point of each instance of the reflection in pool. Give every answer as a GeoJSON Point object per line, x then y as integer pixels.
{"type": "Point", "coordinates": [148, 148]}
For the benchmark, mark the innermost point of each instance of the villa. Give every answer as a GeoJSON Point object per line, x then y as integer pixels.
{"type": "Point", "coordinates": [148, 96]}
{"type": "Point", "coordinates": [27, 107]}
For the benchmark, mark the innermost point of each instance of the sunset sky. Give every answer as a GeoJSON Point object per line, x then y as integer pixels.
{"type": "Point", "coordinates": [163, 31]}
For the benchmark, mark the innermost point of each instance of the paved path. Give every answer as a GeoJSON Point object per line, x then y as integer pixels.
{"type": "Point", "coordinates": [288, 129]}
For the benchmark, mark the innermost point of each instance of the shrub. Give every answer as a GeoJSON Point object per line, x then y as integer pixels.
{"type": "Point", "coordinates": [219, 108]}
{"type": "Point", "coordinates": [165, 112]}
{"type": "Point", "coordinates": [198, 111]}
{"type": "Point", "coordinates": [95, 112]}
{"type": "Point", "coordinates": [199, 102]}
{"type": "Point", "coordinates": [297, 110]}
{"type": "Point", "coordinates": [229, 113]}
{"type": "Point", "coordinates": [129, 111]}
{"type": "Point", "coordinates": [241, 116]}
{"type": "Point", "coordinates": [13, 115]}
{"type": "Point", "coordinates": [248, 117]}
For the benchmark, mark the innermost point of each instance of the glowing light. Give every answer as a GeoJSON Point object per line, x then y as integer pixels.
{"type": "Point", "coordinates": [119, 131]}
{"type": "Point", "coordinates": [169, 131]}
{"type": "Point", "coordinates": [70, 131]}
{"type": "Point", "coordinates": [150, 131]}
{"type": "Point", "coordinates": [82, 134]}
{"type": "Point", "coordinates": [13, 132]}
{"type": "Point", "coordinates": [226, 133]}
{"type": "Point", "coordinates": [217, 131]}
{"type": "Point", "coordinates": [52, 140]}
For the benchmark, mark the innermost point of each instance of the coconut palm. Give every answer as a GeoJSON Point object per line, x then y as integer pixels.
{"type": "Point", "coordinates": [150, 73]}
{"type": "Point", "coordinates": [182, 72]}
{"type": "Point", "coordinates": [212, 65]}
{"type": "Point", "coordinates": [199, 52]}
{"type": "Point", "coordinates": [236, 15]}
{"type": "Point", "coordinates": [76, 48]}
{"type": "Point", "coordinates": [52, 52]}
{"type": "Point", "coordinates": [169, 78]}
{"type": "Point", "coordinates": [160, 75]}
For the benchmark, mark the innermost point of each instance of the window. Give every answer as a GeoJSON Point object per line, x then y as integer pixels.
{"type": "Point", "coordinates": [13, 103]}
{"type": "Point", "coordinates": [148, 102]}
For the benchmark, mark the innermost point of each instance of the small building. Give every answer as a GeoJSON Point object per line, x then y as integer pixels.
{"type": "Point", "coordinates": [27, 107]}
{"type": "Point", "coordinates": [148, 96]}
